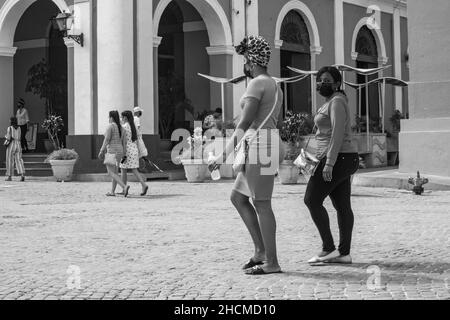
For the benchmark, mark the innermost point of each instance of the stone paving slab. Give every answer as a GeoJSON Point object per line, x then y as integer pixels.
{"type": "Point", "coordinates": [185, 241]}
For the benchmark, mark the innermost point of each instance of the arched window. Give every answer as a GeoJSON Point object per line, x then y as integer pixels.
{"type": "Point", "coordinates": [366, 47]}
{"type": "Point", "coordinates": [296, 52]}
{"type": "Point", "coordinates": [294, 33]}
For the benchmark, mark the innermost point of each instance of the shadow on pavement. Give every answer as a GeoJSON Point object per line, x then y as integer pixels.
{"type": "Point", "coordinates": [392, 272]}
{"type": "Point", "coordinates": [156, 197]}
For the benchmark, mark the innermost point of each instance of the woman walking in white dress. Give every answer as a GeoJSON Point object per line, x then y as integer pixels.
{"type": "Point", "coordinates": [131, 159]}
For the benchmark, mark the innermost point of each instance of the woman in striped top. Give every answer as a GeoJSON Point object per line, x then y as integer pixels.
{"type": "Point", "coordinates": [14, 151]}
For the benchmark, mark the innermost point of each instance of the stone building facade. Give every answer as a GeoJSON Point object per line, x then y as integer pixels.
{"type": "Point", "coordinates": [148, 53]}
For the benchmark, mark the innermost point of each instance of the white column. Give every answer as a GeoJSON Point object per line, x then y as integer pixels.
{"type": "Point", "coordinates": [398, 59]}
{"type": "Point", "coordinates": [115, 58]}
{"type": "Point", "coordinates": [339, 31]}
{"type": "Point", "coordinates": [6, 85]}
{"type": "Point", "coordinates": [70, 44]}
{"type": "Point", "coordinates": [82, 76]}
{"type": "Point", "coordinates": [145, 65]}
{"type": "Point", "coordinates": [156, 43]}
{"type": "Point", "coordinates": [315, 52]}
{"type": "Point", "coordinates": [253, 18]}
{"type": "Point", "coordinates": [238, 29]}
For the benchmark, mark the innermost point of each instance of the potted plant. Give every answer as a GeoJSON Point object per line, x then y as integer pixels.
{"type": "Point", "coordinates": [295, 127]}
{"type": "Point", "coordinates": [52, 87]}
{"type": "Point", "coordinates": [63, 162]}
{"type": "Point", "coordinates": [396, 119]}
{"type": "Point", "coordinates": [193, 157]}
{"type": "Point", "coordinates": [393, 138]}
{"type": "Point", "coordinates": [171, 93]}
{"type": "Point", "coordinates": [53, 125]}
{"type": "Point", "coordinates": [219, 133]}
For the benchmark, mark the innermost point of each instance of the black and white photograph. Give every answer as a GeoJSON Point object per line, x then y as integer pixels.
{"type": "Point", "coordinates": [224, 155]}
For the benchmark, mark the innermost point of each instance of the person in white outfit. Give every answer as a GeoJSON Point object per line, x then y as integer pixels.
{"type": "Point", "coordinates": [143, 152]}
{"type": "Point", "coordinates": [14, 151]}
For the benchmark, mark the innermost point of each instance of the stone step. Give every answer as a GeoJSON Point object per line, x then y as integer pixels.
{"type": "Point", "coordinates": [35, 165]}
{"type": "Point", "coordinates": [171, 175]}
{"type": "Point", "coordinates": [35, 172]}
{"type": "Point", "coordinates": [35, 156]}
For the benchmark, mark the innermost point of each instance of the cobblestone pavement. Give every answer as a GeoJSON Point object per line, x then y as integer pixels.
{"type": "Point", "coordinates": [186, 242]}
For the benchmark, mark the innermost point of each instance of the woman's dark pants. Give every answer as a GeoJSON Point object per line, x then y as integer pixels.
{"type": "Point", "coordinates": [339, 190]}
{"type": "Point", "coordinates": [23, 135]}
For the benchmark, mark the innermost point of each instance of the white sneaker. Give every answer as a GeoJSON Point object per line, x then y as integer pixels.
{"type": "Point", "coordinates": [323, 257]}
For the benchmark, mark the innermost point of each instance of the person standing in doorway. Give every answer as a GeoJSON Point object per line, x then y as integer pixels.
{"type": "Point", "coordinates": [14, 151]}
{"type": "Point", "coordinates": [339, 161]}
{"type": "Point", "coordinates": [23, 121]}
{"type": "Point", "coordinates": [261, 108]}
{"type": "Point", "coordinates": [131, 160]}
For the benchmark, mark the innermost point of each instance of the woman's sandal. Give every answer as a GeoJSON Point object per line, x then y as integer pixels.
{"type": "Point", "coordinates": [258, 270]}
{"type": "Point", "coordinates": [109, 194]}
{"type": "Point", "coordinates": [127, 191]}
{"type": "Point", "coordinates": [251, 263]}
{"type": "Point", "coordinates": [144, 193]}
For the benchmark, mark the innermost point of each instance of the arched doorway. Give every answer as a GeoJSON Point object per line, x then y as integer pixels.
{"type": "Point", "coordinates": [296, 52]}
{"type": "Point", "coordinates": [195, 38]}
{"type": "Point", "coordinates": [37, 52]}
{"type": "Point", "coordinates": [366, 47]}
{"type": "Point", "coordinates": [181, 55]}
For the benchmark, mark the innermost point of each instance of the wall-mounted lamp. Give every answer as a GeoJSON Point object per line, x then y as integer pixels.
{"type": "Point", "coordinates": [63, 22]}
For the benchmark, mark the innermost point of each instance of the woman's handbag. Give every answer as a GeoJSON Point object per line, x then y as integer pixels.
{"type": "Point", "coordinates": [307, 162]}
{"type": "Point", "coordinates": [7, 143]}
{"type": "Point", "coordinates": [110, 159]}
{"type": "Point", "coordinates": [241, 156]}
{"type": "Point", "coordinates": [242, 149]}
{"type": "Point", "coordinates": [143, 152]}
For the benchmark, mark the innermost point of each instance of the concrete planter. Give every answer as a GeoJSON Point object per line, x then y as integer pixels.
{"type": "Point", "coordinates": [63, 169]}
{"type": "Point", "coordinates": [196, 170]}
{"type": "Point", "coordinates": [227, 172]}
{"type": "Point", "coordinates": [288, 173]}
{"type": "Point", "coordinates": [217, 146]}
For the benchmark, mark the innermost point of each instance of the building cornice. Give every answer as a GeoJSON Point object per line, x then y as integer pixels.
{"type": "Point", "coordinates": [386, 6]}
{"type": "Point", "coordinates": [8, 51]}
{"type": "Point", "coordinates": [278, 44]}
{"type": "Point", "coordinates": [70, 43]}
{"type": "Point", "coordinates": [157, 41]}
{"type": "Point", "coordinates": [316, 50]}
{"type": "Point", "coordinates": [220, 50]}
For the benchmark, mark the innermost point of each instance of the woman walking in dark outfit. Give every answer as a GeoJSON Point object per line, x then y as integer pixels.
{"type": "Point", "coordinates": [339, 161]}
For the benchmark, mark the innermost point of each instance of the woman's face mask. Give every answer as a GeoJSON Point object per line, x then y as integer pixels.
{"type": "Point", "coordinates": [248, 69]}
{"type": "Point", "coordinates": [326, 89]}
{"type": "Point", "coordinates": [326, 85]}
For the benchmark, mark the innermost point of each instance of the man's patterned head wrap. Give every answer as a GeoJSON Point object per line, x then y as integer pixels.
{"type": "Point", "coordinates": [257, 48]}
